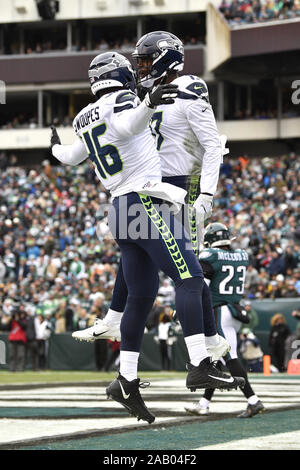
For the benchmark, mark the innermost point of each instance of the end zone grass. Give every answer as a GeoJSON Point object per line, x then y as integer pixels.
{"type": "Point", "coordinates": [54, 376]}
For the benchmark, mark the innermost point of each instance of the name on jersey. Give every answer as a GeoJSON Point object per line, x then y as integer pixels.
{"type": "Point", "coordinates": [87, 118]}
{"type": "Point", "coordinates": [226, 256]}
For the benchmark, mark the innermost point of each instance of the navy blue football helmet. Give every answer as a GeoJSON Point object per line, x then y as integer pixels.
{"type": "Point", "coordinates": [109, 70]}
{"type": "Point", "coordinates": [157, 54]}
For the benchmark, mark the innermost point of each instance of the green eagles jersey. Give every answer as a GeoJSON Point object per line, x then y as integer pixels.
{"type": "Point", "coordinates": [226, 270]}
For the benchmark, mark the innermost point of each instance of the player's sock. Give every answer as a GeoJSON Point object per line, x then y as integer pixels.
{"type": "Point", "coordinates": [204, 402]}
{"type": "Point", "coordinates": [212, 340]}
{"type": "Point", "coordinates": [129, 364]}
{"type": "Point", "coordinates": [253, 400]}
{"type": "Point", "coordinates": [113, 317]}
{"type": "Point", "coordinates": [196, 348]}
{"type": "Point", "coordinates": [236, 369]}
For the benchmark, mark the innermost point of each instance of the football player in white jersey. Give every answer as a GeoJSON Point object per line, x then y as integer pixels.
{"type": "Point", "coordinates": [189, 145]}
{"type": "Point", "coordinates": [114, 133]}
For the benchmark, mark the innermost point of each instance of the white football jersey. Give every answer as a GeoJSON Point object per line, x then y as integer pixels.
{"type": "Point", "coordinates": [119, 143]}
{"type": "Point", "coordinates": [186, 134]}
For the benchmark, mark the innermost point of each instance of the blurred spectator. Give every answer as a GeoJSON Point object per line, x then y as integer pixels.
{"type": "Point", "coordinates": [43, 237]}
{"type": "Point", "coordinates": [239, 12]}
{"type": "Point", "coordinates": [250, 350]}
{"type": "Point", "coordinates": [2, 270]}
{"type": "Point", "coordinates": [113, 359]}
{"type": "Point", "coordinates": [252, 314]}
{"type": "Point", "coordinates": [165, 337]}
{"type": "Point", "coordinates": [83, 320]}
{"type": "Point", "coordinates": [31, 343]}
{"type": "Point", "coordinates": [167, 291]}
{"type": "Point", "coordinates": [252, 278]}
{"type": "Point", "coordinates": [296, 314]}
{"type": "Point", "coordinates": [276, 264]}
{"type": "Point", "coordinates": [291, 291]}
{"type": "Point", "coordinates": [277, 337]}
{"type": "Point", "coordinates": [16, 325]}
{"type": "Point", "coordinates": [291, 344]}
{"type": "Point", "coordinates": [60, 322]}
{"type": "Point", "coordinates": [153, 317]}
{"type": "Point", "coordinates": [43, 330]}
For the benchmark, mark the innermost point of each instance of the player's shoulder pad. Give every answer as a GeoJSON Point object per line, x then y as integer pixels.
{"type": "Point", "coordinates": [77, 121]}
{"type": "Point", "coordinates": [125, 99]}
{"type": "Point", "coordinates": [206, 255]}
{"type": "Point", "coordinates": [191, 87]}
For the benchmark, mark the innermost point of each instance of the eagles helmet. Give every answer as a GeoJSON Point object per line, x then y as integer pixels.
{"type": "Point", "coordinates": [110, 70]}
{"type": "Point", "coordinates": [162, 52]}
{"type": "Point", "coordinates": [216, 234]}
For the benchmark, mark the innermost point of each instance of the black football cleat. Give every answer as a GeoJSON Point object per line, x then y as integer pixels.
{"type": "Point", "coordinates": [206, 375]}
{"type": "Point", "coordinates": [252, 410]}
{"type": "Point", "coordinates": [128, 394]}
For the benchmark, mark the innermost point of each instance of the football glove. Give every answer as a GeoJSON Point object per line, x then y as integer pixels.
{"type": "Point", "coordinates": [203, 206]}
{"type": "Point", "coordinates": [54, 137]}
{"type": "Point", "coordinates": [223, 140]}
{"type": "Point", "coordinates": [161, 94]}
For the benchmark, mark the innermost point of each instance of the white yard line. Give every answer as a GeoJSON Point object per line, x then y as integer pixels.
{"type": "Point", "coordinates": [281, 441]}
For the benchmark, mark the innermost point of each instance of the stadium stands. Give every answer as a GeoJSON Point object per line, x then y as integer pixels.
{"type": "Point", "coordinates": [50, 255]}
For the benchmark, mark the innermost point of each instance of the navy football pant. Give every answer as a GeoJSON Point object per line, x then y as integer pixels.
{"type": "Point", "coordinates": [191, 185]}
{"type": "Point", "coordinates": [145, 235]}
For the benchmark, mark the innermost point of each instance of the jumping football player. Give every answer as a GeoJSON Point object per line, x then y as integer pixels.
{"type": "Point", "coordinates": [189, 145]}
{"type": "Point", "coordinates": [114, 133]}
{"type": "Point", "coordinates": [225, 268]}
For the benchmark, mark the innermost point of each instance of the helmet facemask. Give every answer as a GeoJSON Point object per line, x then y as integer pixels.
{"type": "Point", "coordinates": [216, 235]}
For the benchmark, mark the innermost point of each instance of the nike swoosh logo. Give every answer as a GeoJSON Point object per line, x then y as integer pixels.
{"type": "Point", "coordinates": [223, 380]}
{"type": "Point", "coordinates": [125, 395]}
{"type": "Point", "coordinates": [196, 87]}
{"type": "Point", "coordinates": [99, 334]}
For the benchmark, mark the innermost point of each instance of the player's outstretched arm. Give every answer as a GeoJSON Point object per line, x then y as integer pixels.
{"type": "Point", "coordinates": [68, 154]}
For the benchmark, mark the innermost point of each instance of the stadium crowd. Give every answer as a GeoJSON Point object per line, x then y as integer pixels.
{"type": "Point", "coordinates": [58, 259]}
{"type": "Point", "coordinates": [238, 12]}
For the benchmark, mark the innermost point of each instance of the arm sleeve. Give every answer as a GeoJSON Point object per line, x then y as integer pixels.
{"type": "Point", "coordinates": [70, 154]}
{"type": "Point", "coordinates": [202, 121]}
{"type": "Point", "coordinates": [132, 121]}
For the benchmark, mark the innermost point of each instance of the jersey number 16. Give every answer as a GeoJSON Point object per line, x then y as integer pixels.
{"type": "Point", "coordinates": [106, 158]}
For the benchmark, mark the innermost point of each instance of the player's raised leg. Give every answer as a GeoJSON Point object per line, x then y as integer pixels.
{"type": "Point", "coordinates": [176, 261]}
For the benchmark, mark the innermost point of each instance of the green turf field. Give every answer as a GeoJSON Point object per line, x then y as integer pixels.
{"type": "Point", "coordinates": [51, 376]}
{"type": "Point", "coordinates": [56, 410]}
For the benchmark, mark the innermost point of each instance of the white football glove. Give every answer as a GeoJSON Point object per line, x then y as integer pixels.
{"type": "Point", "coordinates": [203, 207]}
{"type": "Point", "coordinates": [223, 140]}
